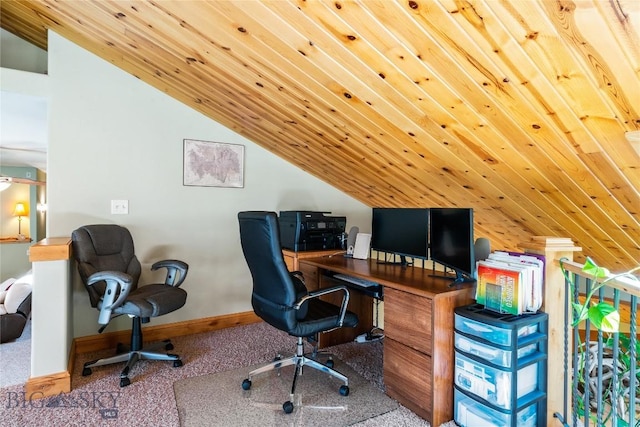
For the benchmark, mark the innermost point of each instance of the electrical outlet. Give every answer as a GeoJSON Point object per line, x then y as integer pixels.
{"type": "Point", "coordinates": [119, 207]}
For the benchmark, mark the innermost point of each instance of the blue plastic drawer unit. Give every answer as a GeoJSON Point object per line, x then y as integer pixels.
{"type": "Point", "coordinates": [470, 413]}
{"type": "Point", "coordinates": [500, 375]}
{"type": "Point", "coordinates": [490, 353]}
{"type": "Point", "coordinates": [500, 335]}
{"type": "Point", "coordinates": [492, 384]}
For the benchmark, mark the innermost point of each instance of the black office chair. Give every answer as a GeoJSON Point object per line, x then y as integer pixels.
{"type": "Point", "coordinates": [281, 299]}
{"type": "Point", "coordinates": [110, 271]}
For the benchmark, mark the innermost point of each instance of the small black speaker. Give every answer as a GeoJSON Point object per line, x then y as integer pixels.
{"type": "Point", "coordinates": [482, 248]}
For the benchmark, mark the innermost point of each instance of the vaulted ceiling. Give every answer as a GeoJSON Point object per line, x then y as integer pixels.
{"type": "Point", "coordinates": [517, 108]}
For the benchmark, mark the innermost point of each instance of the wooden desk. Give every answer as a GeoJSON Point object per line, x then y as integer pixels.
{"type": "Point", "coordinates": [292, 258]}
{"type": "Point", "coordinates": [419, 321]}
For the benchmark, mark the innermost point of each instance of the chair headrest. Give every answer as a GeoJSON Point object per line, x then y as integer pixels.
{"type": "Point", "coordinates": [102, 247]}
{"type": "Point", "coordinates": [102, 239]}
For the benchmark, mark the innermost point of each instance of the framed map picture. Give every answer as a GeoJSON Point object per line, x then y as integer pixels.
{"type": "Point", "coordinates": [213, 164]}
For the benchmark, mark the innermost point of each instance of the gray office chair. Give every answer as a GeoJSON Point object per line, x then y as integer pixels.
{"type": "Point", "coordinates": [281, 299]}
{"type": "Point", "coordinates": [110, 271]}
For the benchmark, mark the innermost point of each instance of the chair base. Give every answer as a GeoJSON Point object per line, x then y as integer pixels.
{"type": "Point", "coordinates": [134, 354]}
{"type": "Point", "coordinates": [299, 360]}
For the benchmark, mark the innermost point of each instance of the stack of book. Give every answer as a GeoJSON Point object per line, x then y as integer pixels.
{"type": "Point", "coordinates": [509, 282]}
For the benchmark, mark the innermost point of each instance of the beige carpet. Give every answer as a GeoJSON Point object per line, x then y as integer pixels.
{"type": "Point", "coordinates": [219, 400]}
{"type": "Point", "coordinates": [15, 359]}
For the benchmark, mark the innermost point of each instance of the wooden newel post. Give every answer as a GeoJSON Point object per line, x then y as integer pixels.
{"type": "Point", "coordinates": [52, 322]}
{"type": "Point", "coordinates": [554, 249]}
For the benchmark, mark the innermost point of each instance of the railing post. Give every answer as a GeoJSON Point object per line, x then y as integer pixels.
{"type": "Point", "coordinates": [52, 327]}
{"type": "Point", "coordinates": [554, 249]}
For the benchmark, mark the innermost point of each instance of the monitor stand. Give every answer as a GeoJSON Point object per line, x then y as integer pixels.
{"type": "Point", "coordinates": [403, 262]}
{"type": "Point", "coordinates": [460, 278]}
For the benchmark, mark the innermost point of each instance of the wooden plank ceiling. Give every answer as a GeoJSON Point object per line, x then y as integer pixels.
{"type": "Point", "coordinates": [517, 108]}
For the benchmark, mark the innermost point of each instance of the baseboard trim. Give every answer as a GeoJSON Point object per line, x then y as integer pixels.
{"type": "Point", "coordinates": [47, 385]}
{"type": "Point", "coordinates": [108, 340]}
{"type": "Point", "coordinates": [51, 385]}
{"type": "Point", "coordinates": [54, 384]}
{"type": "Point", "coordinates": [72, 358]}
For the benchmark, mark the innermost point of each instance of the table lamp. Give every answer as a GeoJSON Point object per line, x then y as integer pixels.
{"type": "Point", "coordinates": [20, 210]}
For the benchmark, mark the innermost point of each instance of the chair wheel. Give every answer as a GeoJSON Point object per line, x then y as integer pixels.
{"type": "Point", "coordinates": [344, 390]}
{"type": "Point", "coordinates": [177, 363]}
{"type": "Point", "coordinates": [287, 407]}
{"type": "Point", "coordinates": [168, 346]}
{"type": "Point", "coordinates": [124, 381]}
{"type": "Point", "coordinates": [330, 363]}
{"type": "Point", "coordinates": [246, 384]}
{"type": "Point", "coordinates": [86, 372]}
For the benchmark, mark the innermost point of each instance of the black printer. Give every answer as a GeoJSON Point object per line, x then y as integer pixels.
{"type": "Point", "coordinates": [311, 231]}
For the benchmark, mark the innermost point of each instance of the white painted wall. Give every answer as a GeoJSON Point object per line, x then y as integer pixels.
{"type": "Point", "coordinates": [19, 54]}
{"type": "Point", "coordinates": [114, 137]}
{"type": "Point", "coordinates": [14, 260]}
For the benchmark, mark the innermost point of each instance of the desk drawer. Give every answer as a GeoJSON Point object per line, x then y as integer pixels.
{"type": "Point", "coordinates": [408, 377]}
{"type": "Point", "coordinates": [408, 319]}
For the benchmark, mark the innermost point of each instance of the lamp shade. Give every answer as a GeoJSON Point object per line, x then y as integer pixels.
{"type": "Point", "coordinates": [21, 209]}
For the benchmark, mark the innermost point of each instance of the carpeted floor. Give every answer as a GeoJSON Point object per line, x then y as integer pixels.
{"type": "Point", "coordinates": [15, 359]}
{"type": "Point", "coordinates": [98, 400]}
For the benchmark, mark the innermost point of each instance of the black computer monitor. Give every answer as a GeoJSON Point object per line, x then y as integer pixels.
{"type": "Point", "coordinates": [401, 231]}
{"type": "Point", "coordinates": [451, 240]}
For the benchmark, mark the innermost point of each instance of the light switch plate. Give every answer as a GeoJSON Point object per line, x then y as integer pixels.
{"type": "Point", "coordinates": [119, 207]}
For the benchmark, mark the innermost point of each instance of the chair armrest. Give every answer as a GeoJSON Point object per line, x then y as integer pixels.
{"type": "Point", "coordinates": [298, 274]}
{"type": "Point", "coordinates": [118, 286]}
{"type": "Point", "coordinates": [325, 291]}
{"type": "Point", "coordinates": [176, 269]}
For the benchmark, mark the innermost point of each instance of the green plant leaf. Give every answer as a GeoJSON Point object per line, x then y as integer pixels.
{"type": "Point", "coordinates": [604, 317]}
{"type": "Point", "coordinates": [579, 312]}
{"type": "Point", "coordinates": [622, 423]}
{"type": "Point", "coordinates": [592, 268]}
{"type": "Point", "coordinates": [624, 342]}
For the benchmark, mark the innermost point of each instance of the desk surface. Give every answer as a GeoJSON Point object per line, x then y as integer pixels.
{"type": "Point", "coordinates": [414, 280]}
